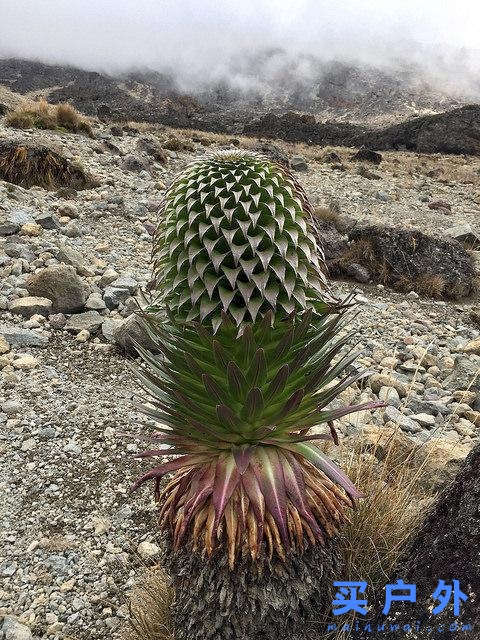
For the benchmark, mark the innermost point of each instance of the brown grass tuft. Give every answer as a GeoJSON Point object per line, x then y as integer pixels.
{"type": "Point", "coordinates": [433, 285]}
{"type": "Point", "coordinates": [29, 166]}
{"type": "Point", "coordinates": [19, 120]}
{"type": "Point", "coordinates": [150, 608]}
{"type": "Point", "coordinates": [390, 476]}
{"type": "Point", "coordinates": [327, 214]}
{"type": "Point", "coordinates": [42, 115]}
{"type": "Point", "coordinates": [174, 143]}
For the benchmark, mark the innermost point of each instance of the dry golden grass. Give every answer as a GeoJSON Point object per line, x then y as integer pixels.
{"type": "Point", "coordinates": [327, 214]}
{"type": "Point", "coordinates": [150, 607]}
{"type": "Point", "coordinates": [175, 143]}
{"type": "Point", "coordinates": [29, 166]}
{"type": "Point", "coordinates": [391, 476]}
{"type": "Point", "coordinates": [19, 120]}
{"type": "Point", "coordinates": [406, 165]}
{"type": "Point", "coordinates": [42, 115]}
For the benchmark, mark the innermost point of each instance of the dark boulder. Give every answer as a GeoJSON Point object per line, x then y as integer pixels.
{"type": "Point", "coordinates": [456, 131]}
{"type": "Point", "coordinates": [444, 548]}
{"type": "Point", "coordinates": [301, 127]}
{"type": "Point", "coordinates": [403, 259]}
{"type": "Point", "coordinates": [364, 154]}
{"type": "Point", "coordinates": [29, 166]}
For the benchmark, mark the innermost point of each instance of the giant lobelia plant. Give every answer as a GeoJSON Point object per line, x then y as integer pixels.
{"type": "Point", "coordinates": [250, 361]}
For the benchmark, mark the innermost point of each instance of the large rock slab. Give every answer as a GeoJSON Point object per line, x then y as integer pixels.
{"type": "Point", "coordinates": [455, 131]}
{"type": "Point", "coordinates": [18, 337]}
{"type": "Point", "coordinates": [89, 320]}
{"type": "Point", "coordinates": [31, 305]}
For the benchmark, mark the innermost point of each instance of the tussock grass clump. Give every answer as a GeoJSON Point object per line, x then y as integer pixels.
{"type": "Point", "coordinates": [29, 166]}
{"type": "Point", "coordinates": [42, 115]}
{"type": "Point", "coordinates": [174, 143]}
{"type": "Point", "coordinates": [392, 480]}
{"type": "Point", "coordinates": [150, 608]}
{"type": "Point", "coordinates": [327, 214]}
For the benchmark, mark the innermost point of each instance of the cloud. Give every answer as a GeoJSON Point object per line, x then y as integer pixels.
{"type": "Point", "coordinates": [204, 40]}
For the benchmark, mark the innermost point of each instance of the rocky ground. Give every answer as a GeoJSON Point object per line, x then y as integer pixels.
{"type": "Point", "coordinates": [73, 540]}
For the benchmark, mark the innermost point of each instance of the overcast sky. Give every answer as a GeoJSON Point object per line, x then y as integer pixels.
{"type": "Point", "coordinates": [198, 38]}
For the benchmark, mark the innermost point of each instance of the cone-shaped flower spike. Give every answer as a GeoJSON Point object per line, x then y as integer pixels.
{"type": "Point", "coordinates": [234, 237]}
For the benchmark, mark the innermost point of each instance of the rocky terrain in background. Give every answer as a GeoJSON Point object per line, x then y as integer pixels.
{"type": "Point", "coordinates": [340, 101]}
{"type": "Point", "coordinates": [72, 263]}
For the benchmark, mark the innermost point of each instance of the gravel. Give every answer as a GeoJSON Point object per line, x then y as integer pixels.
{"type": "Point", "coordinates": [72, 538]}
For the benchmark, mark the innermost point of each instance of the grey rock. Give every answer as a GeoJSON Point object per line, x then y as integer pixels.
{"type": "Point", "coordinates": [114, 296]}
{"type": "Point", "coordinates": [109, 326]}
{"type": "Point", "coordinates": [424, 419]}
{"type": "Point", "coordinates": [8, 568]}
{"type": "Point", "coordinates": [108, 276]}
{"type": "Point", "coordinates": [47, 221]}
{"type": "Point", "coordinates": [12, 221]}
{"type": "Point", "coordinates": [404, 422]}
{"type": "Point", "coordinates": [57, 563]}
{"type": "Point", "coordinates": [12, 629]}
{"type": "Point", "coordinates": [298, 163]}
{"type": "Point", "coordinates": [73, 447]}
{"type": "Point", "coordinates": [465, 374]}
{"type": "Point", "coordinates": [152, 147]}
{"type": "Point", "coordinates": [147, 550]}
{"type": "Point", "coordinates": [382, 196]}
{"type": "Point", "coordinates": [72, 230]}
{"type": "Point", "coordinates": [434, 407]}
{"type": "Point", "coordinates": [7, 227]}
{"type": "Point", "coordinates": [31, 305]}
{"type": "Point", "coordinates": [61, 285]}
{"type": "Point", "coordinates": [20, 216]}
{"type": "Point", "coordinates": [88, 320]}
{"type": "Point", "coordinates": [94, 301]}
{"type": "Point", "coordinates": [74, 258]}
{"type": "Point", "coordinates": [130, 331]}
{"type": "Point", "coordinates": [19, 250]}
{"type": "Point", "coordinates": [18, 337]}
{"type": "Point", "coordinates": [69, 210]}
{"type": "Point", "coordinates": [11, 407]}
{"type": "Point", "coordinates": [126, 282]}
{"type": "Point", "coordinates": [57, 320]}
{"type": "Point", "coordinates": [135, 163]}
{"type": "Point", "coordinates": [390, 396]}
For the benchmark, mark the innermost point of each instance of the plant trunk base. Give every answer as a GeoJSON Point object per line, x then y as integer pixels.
{"type": "Point", "coordinates": [268, 600]}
